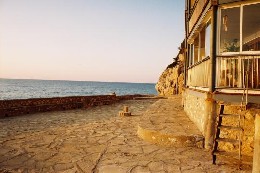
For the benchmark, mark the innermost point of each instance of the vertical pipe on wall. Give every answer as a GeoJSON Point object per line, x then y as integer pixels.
{"type": "Point", "coordinates": [185, 53]}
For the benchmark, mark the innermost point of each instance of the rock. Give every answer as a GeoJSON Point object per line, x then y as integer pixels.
{"type": "Point", "coordinates": [172, 79]}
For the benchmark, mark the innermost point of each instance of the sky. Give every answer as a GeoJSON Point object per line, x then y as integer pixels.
{"type": "Point", "coordinates": [89, 40]}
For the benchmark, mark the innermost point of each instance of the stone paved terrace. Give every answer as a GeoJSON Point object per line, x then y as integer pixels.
{"type": "Point", "coordinates": [98, 140]}
{"type": "Point", "coordinates": [165, 123]}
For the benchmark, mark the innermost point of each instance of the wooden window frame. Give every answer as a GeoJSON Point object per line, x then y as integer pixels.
{"type": "Point", "coordinates": [219, 21]}
{"type": "Point", "coordinates": [191, 43]}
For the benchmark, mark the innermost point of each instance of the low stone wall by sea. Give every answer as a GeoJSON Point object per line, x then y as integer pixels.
{"type": "Point", "coordinates": [34, 105]}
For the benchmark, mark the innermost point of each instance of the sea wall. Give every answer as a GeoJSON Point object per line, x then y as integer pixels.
{"type": "Point", "coordinates": [34, 105]}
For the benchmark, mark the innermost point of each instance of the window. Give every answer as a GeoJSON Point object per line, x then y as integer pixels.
{"type": "Point", "coordinates": [251, 27]}
{"type": "Point", "coordinates": [190, 48]}
{"type": "Point", "coordinates": [196, 49]}
{"type": "Point", "coordinates": [240, 29]}
{"type": "Point", "coordinates": [230, 32]}
{"type": "Point", "coordinates": [202, 44]}
{"type": "Point", "coordinates": [207, 39]}
{"type": "Point", "coordinates": [200, 47]}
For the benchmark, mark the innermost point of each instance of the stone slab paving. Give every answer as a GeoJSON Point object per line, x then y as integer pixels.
{"type": "Point", "coordinates": [165, 123]}
{"type": "Point", "coordinates": [97, 140]}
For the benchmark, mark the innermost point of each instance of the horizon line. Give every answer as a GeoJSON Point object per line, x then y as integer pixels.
{"type": "Point", "coordinates": [79, 80]}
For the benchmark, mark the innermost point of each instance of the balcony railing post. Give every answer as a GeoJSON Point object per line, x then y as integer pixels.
{"type": "Point", "coordinates": [213, 53]}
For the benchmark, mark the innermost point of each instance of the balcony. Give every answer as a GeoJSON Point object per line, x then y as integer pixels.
{"type": "Point", "coordinates": [195, 12]}
{"type": "Point", "coordinates": [199, 73]}
{"type": "Point", "coordinates": [238, 72]}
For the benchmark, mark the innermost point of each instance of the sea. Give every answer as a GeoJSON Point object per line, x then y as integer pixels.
{"type": "Point", "coordinates": [27, 88]}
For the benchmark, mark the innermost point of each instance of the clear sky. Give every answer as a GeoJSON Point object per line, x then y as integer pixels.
{"type": "Point", "coordinates": [89, 40]}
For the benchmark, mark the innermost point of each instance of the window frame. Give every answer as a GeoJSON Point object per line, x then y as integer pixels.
{"type": "Point", "coordinates": [219, 21]}
{"type": "Point", "coordinates": [192, 46]}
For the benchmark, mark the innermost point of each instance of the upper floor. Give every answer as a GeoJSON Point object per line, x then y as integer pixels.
{"type": "Point", "coordinates": [194, 10]}
{"type": "Point", "coordinates": [233, 31]}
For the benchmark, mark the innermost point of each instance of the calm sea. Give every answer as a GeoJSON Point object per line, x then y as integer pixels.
{"type": "Point", "coordinates": [23, 88]}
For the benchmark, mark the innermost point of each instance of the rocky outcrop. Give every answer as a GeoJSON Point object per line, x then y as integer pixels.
{"type": "Point", "coordinates": [172, 79]}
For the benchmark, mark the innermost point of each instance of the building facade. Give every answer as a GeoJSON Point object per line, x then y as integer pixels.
{"type": "Point", "coordinates": [222, 58]}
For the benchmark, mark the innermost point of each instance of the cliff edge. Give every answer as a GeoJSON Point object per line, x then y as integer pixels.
{"type": "Point", "coordinates": [171, 80]}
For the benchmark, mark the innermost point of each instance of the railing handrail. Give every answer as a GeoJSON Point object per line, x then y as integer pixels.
{"type": "Point", "coordinates": [238, 55]}
{"type": "Point", "coordinates": [199, 62]}
{"type": "Point", "coordinates": [238, 71]}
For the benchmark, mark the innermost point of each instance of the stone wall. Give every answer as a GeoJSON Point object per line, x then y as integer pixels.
{"type": "Point", "coordinates": [195, 108]}
{"type": "Point", "coordinates": [247, 123]}
{"type": "Point", "coordinates": [28, 106]}
{"type": "Point", "coordinates": [172, 79]}
{"type": "Point", "coordinates": [195, 105]}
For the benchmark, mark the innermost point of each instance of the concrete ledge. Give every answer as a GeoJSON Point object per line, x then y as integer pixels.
{"type": "Point", "coordinates": [170, 140]}
{"type": "Point", "coordinates": [165, 123]}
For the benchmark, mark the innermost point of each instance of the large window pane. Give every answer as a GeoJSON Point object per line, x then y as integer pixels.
{"type": "Point", "coordinates": [191, 54]}
{"type": "Point", "coordinates": [207, 40]}
{"type": "Point", "coordinates": [196, 49]}
{"type": "Point", "coordinates": [230, 32]}
{"type": "Point", "coordinates": [202, 44]}
{"type": "Point", "coordinates": [251, 27]}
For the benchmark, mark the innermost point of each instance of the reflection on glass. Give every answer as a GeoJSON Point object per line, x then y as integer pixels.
{"type": "Point", "coordinates": [207, 40]}
{"type": "Point", "coordinates": [196, 49]}
{"type": "Point", "coordinates": [230, 33]}
{"type": "Point", "coordinates": [190, 54]}
{"type": "Point", "coordinates": [251, 27]}
{"type": "Point", "coordinates": [202, 44]}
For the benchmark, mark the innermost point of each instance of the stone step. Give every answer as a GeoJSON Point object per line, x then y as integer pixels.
{"type": "Point", "coordinates": [230, 128]}
{"type": "Point", "coordinates": [248, 160]}
{"type": "Point", "coordinates": [165, 123]}
{"type": "Point", "coordinates": [235, 104]}
{"type": "Point", "coordinates": [170, 140]}
{"type": "Point", "coordinates": [231, 104]}
{"type": "Point", "coordinates": [232, 141]}
{"type": "Point", "coordinates": [229, 115]}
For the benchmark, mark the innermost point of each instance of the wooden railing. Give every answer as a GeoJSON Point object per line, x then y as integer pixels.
{"type": "Point", "coordinates": [238, 71]}
{"type": "Point", "coordinates": [199, 73]}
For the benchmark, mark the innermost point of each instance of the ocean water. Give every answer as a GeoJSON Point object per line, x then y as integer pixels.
{"type": "Point", "coordinates": [25, 88]}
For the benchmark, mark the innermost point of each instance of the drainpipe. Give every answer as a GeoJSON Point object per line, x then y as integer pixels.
{"type": "Point", "coordinates": [185, 62]}
{"type": "Point", "coordinates": [185, 52]}
{"type": "Point", "coordinates": [210, 102]}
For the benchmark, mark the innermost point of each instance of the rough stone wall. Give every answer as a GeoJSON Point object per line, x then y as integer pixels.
{"type": "Point", "coordinates": [247, 123]}
{"type": "Point", "coordinates": [172, 79]}
{"type": "Point", "coordinates": [28, 106]}
{"type": "Point", "coordinates": [195, 108]}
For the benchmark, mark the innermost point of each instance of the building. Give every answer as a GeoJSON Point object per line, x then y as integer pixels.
{"type": "Point", "coordinates": [222, 59]}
